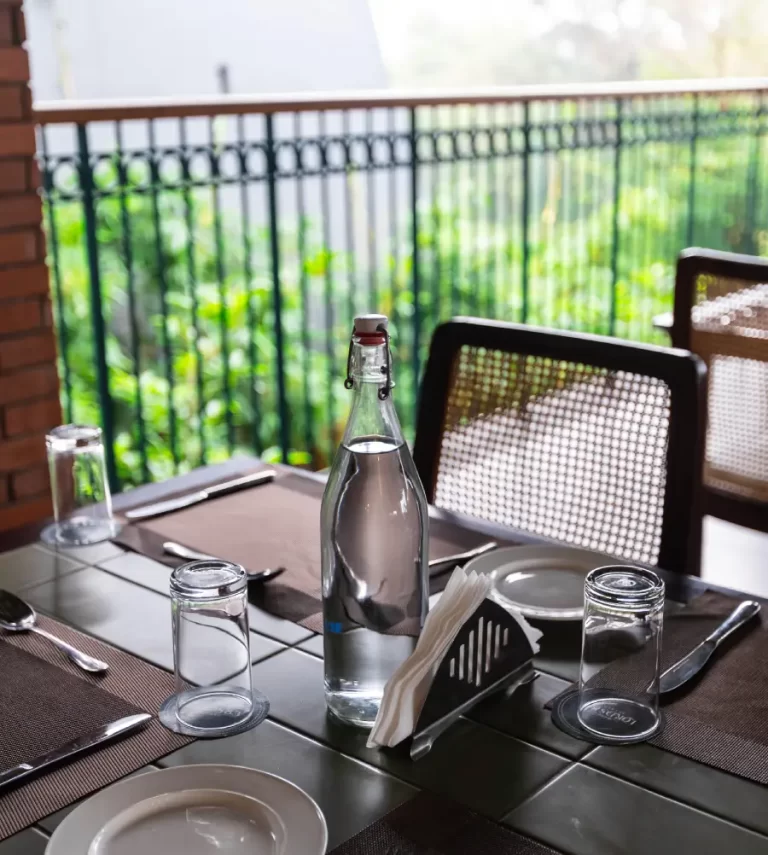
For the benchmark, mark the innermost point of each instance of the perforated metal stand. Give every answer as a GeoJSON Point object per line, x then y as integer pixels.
{"type": "Point", "coordinates": [490, 653]}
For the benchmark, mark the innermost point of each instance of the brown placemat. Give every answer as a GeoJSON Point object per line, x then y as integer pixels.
{"type": "Point", "coordinates": [428, 825]}
{"type": "Point", "coordinates": [274, 525]}
{"type": "Point", "coordinates": [45, 701]}
{"type": "Point", "coordinates": [721, 717]}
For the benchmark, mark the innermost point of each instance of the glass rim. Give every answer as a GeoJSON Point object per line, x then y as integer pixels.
{"type": "Point", "coordinates": [232, 579]}
{"type": "Point", "coordinates": [628, 598]}
{"type": "Point", "coordinates": [72, 436]}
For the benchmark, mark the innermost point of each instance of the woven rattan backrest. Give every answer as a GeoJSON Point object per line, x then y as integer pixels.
{"type": "Point", "coordinates": [573, 438]}
{"type": "Point", "coordinates": [721, 314]}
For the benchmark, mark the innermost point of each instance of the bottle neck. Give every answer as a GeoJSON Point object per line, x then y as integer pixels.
{"type": "Point", "coordinates": [369, 362]}
{"type": "Point", "coordinates": [373, 413]}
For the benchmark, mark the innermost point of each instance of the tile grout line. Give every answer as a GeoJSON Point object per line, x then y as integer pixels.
{"type": "Point", "coordinates": [552, 780]}
{"type": "Point", "coordinates": [570, 763]}
{"type": "Point", "coordinates": [167, 597]}
{"type": "Point", "coordinates": [139, 585]}
{"type": "Point", "coordinates": [297, 646]}
{"type": "Point", "coordinates": [677, 800]}
{"type": "Point", "coordinates": [59, 574]}
{"type": "Point", "coordinates": [547, 749]}
{"type": "Point", "coordinates": [299, 732]}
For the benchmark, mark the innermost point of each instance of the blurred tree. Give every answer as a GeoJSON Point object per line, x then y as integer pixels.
{"type": "Point", "coordinates": [488, 42]}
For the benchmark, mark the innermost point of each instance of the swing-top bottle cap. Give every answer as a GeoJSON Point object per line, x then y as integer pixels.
{"type": "Point", "coordinates": [369, 324]}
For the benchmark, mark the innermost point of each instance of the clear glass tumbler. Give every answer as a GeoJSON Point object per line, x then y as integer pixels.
{"type": "Point", "coordinates": [621, 649]}
{"type": "Point", "coordinates": [209, 608]}
{"type": "Point", "coordinates": [82, 504]}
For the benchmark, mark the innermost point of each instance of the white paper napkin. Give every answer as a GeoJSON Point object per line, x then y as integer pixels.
{"type": "Point", "coordinates": [407, 688]}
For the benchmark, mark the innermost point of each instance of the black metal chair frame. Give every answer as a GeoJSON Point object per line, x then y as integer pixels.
{"type": "Point", "coordinates": [691, 264]}
{"type": "Point", "coordinates": [682, 372]}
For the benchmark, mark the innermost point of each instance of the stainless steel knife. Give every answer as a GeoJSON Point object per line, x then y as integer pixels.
{"type": "Point", "coordinates": [439, 566]}
{"type": "Point", "coordinates": [693, 662]}
{"type": "Point", "coordinates": [95, 738]}
{"type": "Point", "coordinates": [156, 509]}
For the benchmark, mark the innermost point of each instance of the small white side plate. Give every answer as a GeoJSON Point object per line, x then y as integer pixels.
{"type": "Point", "coordinates": [195, 810]}
{"type": "Point", "coordinates": [544, 582]}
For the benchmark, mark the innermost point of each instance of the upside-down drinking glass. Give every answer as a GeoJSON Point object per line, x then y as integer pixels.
{"type": "Point", "coordinates": [82, 504]}
{"type": "Point", "coordinates": [214, 694]}
{"type": "Point", "coordinates": [621, 649]}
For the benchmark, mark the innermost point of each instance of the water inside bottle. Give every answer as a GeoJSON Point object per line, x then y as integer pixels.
{"type": "Point", "coordinates": [374, 597]}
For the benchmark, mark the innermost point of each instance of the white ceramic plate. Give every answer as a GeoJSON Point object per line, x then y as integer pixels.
{"type": "Point", "coordinates": [544, 582]}
{"type": "Point", "coordinates": [195, 810]}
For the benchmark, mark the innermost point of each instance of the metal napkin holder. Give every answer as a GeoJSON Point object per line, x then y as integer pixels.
{"type": "Point", "coordinates": [491, 652]}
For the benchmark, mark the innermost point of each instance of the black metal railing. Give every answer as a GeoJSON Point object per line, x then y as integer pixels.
{"type": "Point", "coordinates": [207, 258]}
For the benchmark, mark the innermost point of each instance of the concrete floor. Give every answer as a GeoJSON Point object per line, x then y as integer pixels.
{"type": "Point", "coordinates": [734, 556]}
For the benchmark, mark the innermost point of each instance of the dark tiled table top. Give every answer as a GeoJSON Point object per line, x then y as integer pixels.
{"type": "Point", "coordinates": [506, 761]}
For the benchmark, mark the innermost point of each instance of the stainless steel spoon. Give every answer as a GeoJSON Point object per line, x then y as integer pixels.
{"type": "Point", "coordinates": [181, 551]}
{"type": "Point", "coordinates": [18, 616]}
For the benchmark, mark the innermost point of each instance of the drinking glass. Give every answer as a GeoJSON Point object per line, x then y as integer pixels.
{"type": "Point", "coordinates": [82, 504]}
{"type": "Point", "coordinates": [618, 698]}
{"type": "Point", "coordinates": [211, 649]}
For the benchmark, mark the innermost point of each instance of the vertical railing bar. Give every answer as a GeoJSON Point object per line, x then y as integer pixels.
{"type": "Point", "coordinates": [692, 172]}
{"type": "Point", "coordinates": [581, 270]}
{"type": "Point", "coordinates": [373, 259]}
{"type": "Point", "coordinates": [565, 165]}
{"type": "Point", "coordinates": [760, 146]}
{"type": "Point", "coordinates": [753, 180]}
{"type": "Point", "coordinates": [512, 277]}
{"type": "Point", "coordinates": [189, 221]}
{"type": "Point", "coordinates": [482, 226]}
{"type": "Point", "coordinates": [550, 199]}
{"type": "Point", "coordinates": [649, 167]}
{"type": "Point", "coordinates": [301, 249]}
{"type": "Point", "coordinates": [325, 214]}
{"type": "Point", "coordinates": [678, 208]}
{"type": "Point", "coordinates": [455, 230]}
{"type": "Point", "coordinates": [710, 188]}
{"type": "Point", "coordinates": [525, 208]}
{"type": "Point", "coordinates": [274, 246]}
{"type": "Point", "coordinates": [596, 185]}
{"type": "Point", "coordinates": [49, 190]}
{"type": "Point", "coordinates": [473, 173]}
{"type": "Point", "coordinates": [162, 282]}
{"type": "Point", "coordinates": [393, 229]}
{"type": "Point", "coordinates": [98, 326]}
{"type": "Point", "coordinates": [615, 222]}
{"type": "Point", "coordinates": [673, 236]}
{"type": "Point", "coordinates": [127, 240]}
{"type": "Point", "coordinates": [436, 220]}
{"type": "Point", "coordinates": [349, 219]}
{"type": "Point", "coordinates": [644, 167]}
{"type": "Point", "coordinates": [629, 241]}
{"type": "Point", "coordinates": [250, 315]}
{"type": "Point", "coordinates": [218, 238]}
{"type": "Point", "coordinates": [492, 180]}
{"type": "Point", "coordinates": [416, 356]}
{"type": "Point", "coordinates": [637, 331]}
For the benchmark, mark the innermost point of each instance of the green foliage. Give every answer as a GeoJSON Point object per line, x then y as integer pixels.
{"type": "Point", "coordinates": [194, 326]}
{"type": "Point", "coordinates": [189, 304]}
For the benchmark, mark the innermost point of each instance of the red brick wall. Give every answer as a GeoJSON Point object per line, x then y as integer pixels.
{"type": "Point", "coordinates": [29, 403]}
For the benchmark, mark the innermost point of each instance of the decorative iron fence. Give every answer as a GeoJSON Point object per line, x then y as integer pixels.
{"type": "Point", "coordinates": [207, 258]}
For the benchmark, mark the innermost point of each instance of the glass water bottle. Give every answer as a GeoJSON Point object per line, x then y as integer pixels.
{"type": "Point", "coordinates": [374, 530]}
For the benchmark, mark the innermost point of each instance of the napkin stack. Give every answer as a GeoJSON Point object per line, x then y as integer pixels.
{"type": "Point", "coordinates": [408, 687]}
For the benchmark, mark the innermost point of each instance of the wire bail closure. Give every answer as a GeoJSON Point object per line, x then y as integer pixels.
{"type": "Point", "coordinates": [385, 369]}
